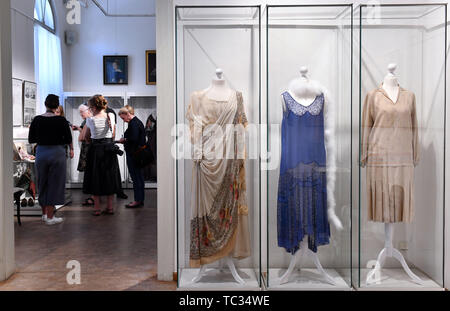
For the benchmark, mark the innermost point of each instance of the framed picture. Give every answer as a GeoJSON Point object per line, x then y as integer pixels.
{"type": "Point", "coordinates": [29, 102]}
{"type": "Point", "coordinates": [115, 69]}
{"type": "Point", "coordinates": [150, 60]}
{"type": "Point", "coordinates": [17, 97]}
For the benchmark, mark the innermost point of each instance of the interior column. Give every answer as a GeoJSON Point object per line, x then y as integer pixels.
{"type": "Point", "coordinates": [7, 265]}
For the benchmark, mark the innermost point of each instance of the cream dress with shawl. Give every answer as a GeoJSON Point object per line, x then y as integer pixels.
{"type": "Point", "coordinates": [219, 211]}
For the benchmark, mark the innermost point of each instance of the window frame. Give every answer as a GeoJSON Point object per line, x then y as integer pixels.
{"type": "Point", "coordinates": [42, 23]}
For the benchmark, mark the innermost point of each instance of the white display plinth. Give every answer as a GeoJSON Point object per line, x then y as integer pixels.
{"type": "Point", "coordinates": [214, 279]}
{"type": "Point", "coordinates": [397, 279]}
{"type": "Point", "coordinates": [306, 279]}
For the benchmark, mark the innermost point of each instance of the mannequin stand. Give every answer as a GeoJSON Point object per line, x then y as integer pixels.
{"type": "Point", "coordinates": [222, 262]}
{"type": "Point", "coordinates": [305, 251]}
{"type": "Point", "coordinates": [390, 251]}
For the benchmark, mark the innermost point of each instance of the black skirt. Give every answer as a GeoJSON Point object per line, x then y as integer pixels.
{"type": "Point", "coordinates": [102, 175]}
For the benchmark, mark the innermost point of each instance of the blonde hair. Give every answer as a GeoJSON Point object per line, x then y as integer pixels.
{"type": "Point", "coordinates": [126, 109]}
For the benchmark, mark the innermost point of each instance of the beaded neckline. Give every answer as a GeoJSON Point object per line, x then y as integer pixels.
{"type": "Point", "coordinates": [315, 108]}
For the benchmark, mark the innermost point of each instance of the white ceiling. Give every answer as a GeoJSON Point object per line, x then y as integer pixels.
{"type": "Point", "coordinates": [127, 7]}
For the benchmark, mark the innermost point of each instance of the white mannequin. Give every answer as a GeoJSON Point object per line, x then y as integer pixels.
{"type": "Point", "coordinates": [304, 91]}
{"type": "Point", "coordinates": [219, 90]}
{"type": "Point", "coordinates": [391, 86]}
{"type": "Point", "coordinates": [390, 83]}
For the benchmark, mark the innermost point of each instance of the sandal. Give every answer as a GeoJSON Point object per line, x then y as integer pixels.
{"type": "Point", "coordinates": [88, 202]}
{"type": "Point", "coordinates": [96, 213]}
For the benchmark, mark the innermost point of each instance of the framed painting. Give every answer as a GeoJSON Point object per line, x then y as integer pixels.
{"type": "Point", "coordinates": [17, 97]}
{"type": "Point", "coordinates": [150, 60]}
{"type": "Point", "coordinates": [29, 102]}
{"type": "Point", "coordinates": [115, 69]}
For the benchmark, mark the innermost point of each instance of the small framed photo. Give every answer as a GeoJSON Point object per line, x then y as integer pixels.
{"type": "Point", "coordinates": [29, 102]}
{"type": "Point", "coordinates": [150, 60]}
{"type": "Point", "coordinates": [17, 99]}
{"type": "Point", "coordinates": [115, 69]}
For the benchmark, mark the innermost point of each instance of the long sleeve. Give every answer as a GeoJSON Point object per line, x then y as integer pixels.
{"type": "Point", "coordinates": [67, 134]}
{"type": "Point", "coordinates": [133, 133]}
{"type": "Point", "coordinates": [33, 132]}
{"type": "Point", "coordinates": [415, 132]}
{"type": "Point", "coordinates": [366, 127]}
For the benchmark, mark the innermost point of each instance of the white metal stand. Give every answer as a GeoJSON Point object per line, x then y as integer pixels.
{"type": "Point", "coordinates": [305, 251]}
{"type": "Point", "coordinates": [224, 261]}
{"type": "Point", "coordinates": [390, 251]}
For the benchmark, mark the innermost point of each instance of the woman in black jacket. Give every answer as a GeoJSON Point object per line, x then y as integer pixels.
{"type": "Point", "coordinates": [134, 138]}
{"type": "Point", "coordinates": [51, 133]}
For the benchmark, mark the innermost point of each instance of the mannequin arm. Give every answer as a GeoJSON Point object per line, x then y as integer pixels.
{"type": "Point", "coordinates": [330, 146]}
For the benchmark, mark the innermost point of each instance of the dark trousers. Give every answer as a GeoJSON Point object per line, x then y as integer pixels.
{"type": "Point", "coordinates": [138, 179]}
{"type": "Point", "coordinates": [51, 174]}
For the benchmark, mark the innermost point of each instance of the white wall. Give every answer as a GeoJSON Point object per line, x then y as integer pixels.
{"type": "Point", "coordinates": [99, 35]}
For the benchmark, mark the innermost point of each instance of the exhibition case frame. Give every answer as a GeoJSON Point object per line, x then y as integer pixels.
{"type": "Point", "coordinates": [220, 43]}
{"type": "Point", "coordinates": [408, 42]}
{"type": "Point", "coordinates": [315, 43]}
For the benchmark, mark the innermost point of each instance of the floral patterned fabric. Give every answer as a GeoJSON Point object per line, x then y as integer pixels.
{"type": "Point", "coordinates": [219, 211]}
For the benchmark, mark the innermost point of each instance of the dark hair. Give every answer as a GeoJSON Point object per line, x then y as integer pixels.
{"type": "Point", "coordinates": [98, 102]}
{"type": "Point", "coordinates": [52, 101]}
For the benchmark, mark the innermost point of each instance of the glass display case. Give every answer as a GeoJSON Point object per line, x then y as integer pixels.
{"type": "Point", "coordinates": [309, 104]}
{"type": "Point", "coordinates": [218, 105]}
{"type": "Point", "coordinates": [399, 208]}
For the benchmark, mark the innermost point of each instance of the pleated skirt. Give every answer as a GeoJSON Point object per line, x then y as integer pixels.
{"type": "Point", "coordinates": [390, 193]}
{"type": "Point", "coordinates": [102, 175]}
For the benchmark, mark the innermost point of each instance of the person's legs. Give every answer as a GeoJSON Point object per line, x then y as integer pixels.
{"type": "Point", "coordinates": [140, 185]}
{"type": "Point", "coordinates": [50, 211]}
{"type": "Point", "coordinates": [120, 194]}
{"type": "Point", "coordinates": [56, 179]}
{"type": "Point", "coordinates": [97, 209]}
{"type": "Point", "coordinates": [138, 181]}
{"type": "Point", "coordinates": [109, 203]}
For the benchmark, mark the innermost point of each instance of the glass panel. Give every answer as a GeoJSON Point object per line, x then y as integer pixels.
{"type": "Point", "coordinates": [39, 10]}
{"type": "Point", "coordinates": [309, 52]}
{"type": "Point", "coordinates": [48, 18]}
{"type": "Point", "coordinates": [207, 39]}
{"type": "Point", "coordinates": [401, 199]}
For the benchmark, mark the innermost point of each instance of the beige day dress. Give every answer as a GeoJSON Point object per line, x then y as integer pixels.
{"type": "Point", "coordinates": [389, 150]}
{"type": "Point", "coordinates": [219, 211]}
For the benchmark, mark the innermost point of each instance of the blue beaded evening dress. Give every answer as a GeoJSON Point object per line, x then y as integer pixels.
{"type": "Point", "coordinates": [302, 186]}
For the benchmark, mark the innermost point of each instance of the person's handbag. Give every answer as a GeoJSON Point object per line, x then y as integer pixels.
{"type": "Point", "coordinates": [142, 156]}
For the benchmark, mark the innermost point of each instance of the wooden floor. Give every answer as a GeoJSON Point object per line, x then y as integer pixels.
{"type": "Point", "coordinates": [116, 252]}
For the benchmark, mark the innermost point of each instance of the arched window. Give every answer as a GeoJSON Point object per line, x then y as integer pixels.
{"type": "Point", "coordinates": [44, 14]}
{"type": "Point", "coordinates": [47, 52]}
